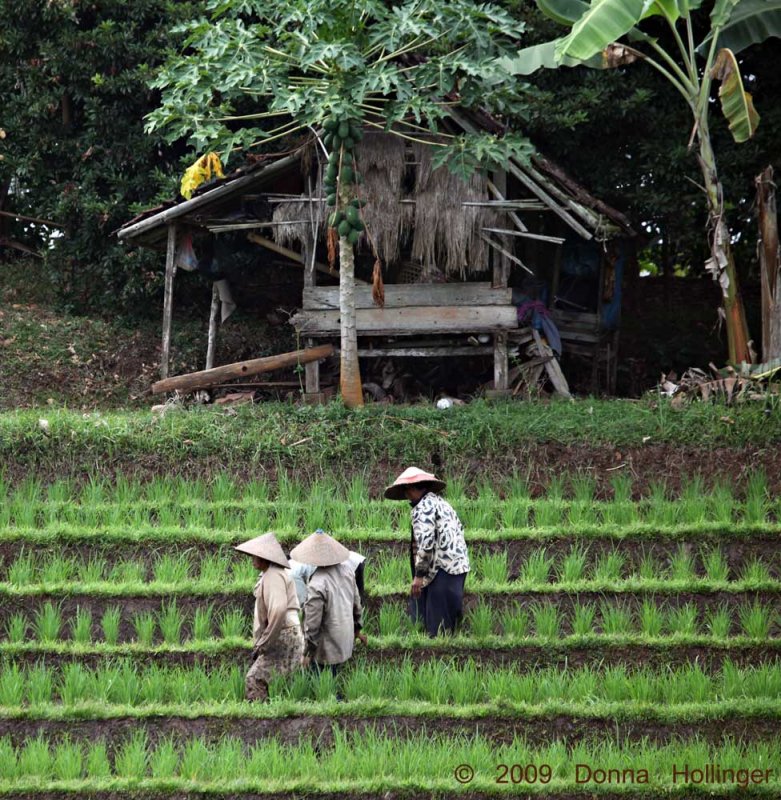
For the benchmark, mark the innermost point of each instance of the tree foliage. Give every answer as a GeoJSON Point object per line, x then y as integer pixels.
{"type": "Point", "coordinates": [74, 78]}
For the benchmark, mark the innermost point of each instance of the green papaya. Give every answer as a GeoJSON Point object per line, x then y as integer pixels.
{"type": "Point", "coordinates": [358, 225]}
{"type": "Point", "coordinates": [330, 124]}
{"type": "Point", "coordinates": [344, 228]}
{"type": "Point", "coordinates": [358, 202]}
{"type": "Point", "coordinates": [347, 158]}
{"type": "Point", "coordinates": [331, 199]}
{"type": "Point", "coordinates": [349, 143]}
{"type": "Point", "coordinates": [330, 173]}
{"type": "Point", "coordinates": [356, 133]}
{"type": "Point", "coordinates": [351, 215]}
{"type": "Point", "coordinates": [347, 174]}
{"type": "Point", "coordinates": [343, 130]}
{"type": "Point", "coordinates": [353, 236]}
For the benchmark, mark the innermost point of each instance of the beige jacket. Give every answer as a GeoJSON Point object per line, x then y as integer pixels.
{"type": "Point", "coordinates": [332, 614]}
{"type": "Point", "coordinates": [276, 606]}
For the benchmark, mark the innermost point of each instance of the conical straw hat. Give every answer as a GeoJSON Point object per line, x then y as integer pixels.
{"type": "Point", "coordinates": [410, 477]}
{"type": "Point", "coordinates": [321, 550]}
{"type": "Point", "coordinates": [266, 547]}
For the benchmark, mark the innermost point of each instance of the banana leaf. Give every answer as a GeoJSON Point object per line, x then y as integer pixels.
{"type": "Point", "coordinates": [603, 23]}
{"type": "Point", "coordinates": [736, 102]}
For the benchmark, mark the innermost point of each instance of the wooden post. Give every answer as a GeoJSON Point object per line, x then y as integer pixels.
{"type": "Point", "coordinates": [213, 314]}
{"type": "Point", "coordinates": [312, 369]}
{"type": "Point", "coordinates": [168, 302]}
{"type": "Point", "coordinates": [500, 364]}
{"type": "Point", "coordinates": [501, 273]}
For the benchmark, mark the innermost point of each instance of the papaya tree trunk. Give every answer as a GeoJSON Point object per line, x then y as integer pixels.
{"type": "Point", "coordinates": [721, 263]}
{"type": "Point", "coordinates": [350, 384]}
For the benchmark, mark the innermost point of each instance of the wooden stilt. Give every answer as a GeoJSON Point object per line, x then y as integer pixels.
{"type": "Point", "coordinates": [168, 302]}
{"type": "Point", "coordinates": [213, 315]}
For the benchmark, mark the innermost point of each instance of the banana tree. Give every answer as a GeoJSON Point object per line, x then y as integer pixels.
{"type": "Point", "coordinates": [612, 33]}
{"type": "Point", "coordinates": [257, 71]}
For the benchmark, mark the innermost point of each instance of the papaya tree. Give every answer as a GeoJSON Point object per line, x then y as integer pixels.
{"type": "Point", "coordinates": [257, 71]}
{"type": "Point", "coordinates": [615, 33]}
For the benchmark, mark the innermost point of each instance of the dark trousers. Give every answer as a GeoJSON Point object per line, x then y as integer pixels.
{"type": "Point", "coordinates": [441, 604]}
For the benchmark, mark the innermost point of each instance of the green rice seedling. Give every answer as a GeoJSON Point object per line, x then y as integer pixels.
{"type": "Point", "coordinates": [573, 565]}
{"type": "Point", "coordinates": [456, 488]}
{"type": "Point", "coordinates": [289, 491]}
{"type": "Point", "coordinates": [583, 509]}
{"type": "Point", "coordinates": [233, 624]}
{"type": "Point", "coordinates": [169, 621]}
{"type": "Point", "coordinates": [481, 513]}
{"type": "Point", "coordinates": [103, 683]}
{"type": "Point", "coordinates": [641, 688]}
{"type": "Point", "coordinates": [693, 504]}
{"type": "Point", "coordinates": [536, 569]}
{"type": "Point", "coordinates": [514, 512]}
{"type": "Point", "coordinates": [95, 492]}
{"type": "Point", "coordinates": [621, 483]}
{"type": "Point", "coordinates": [547, 624]}
{"type": "Point", "coordinates": [223, 489]}
{"type": "Point", "coordinates": [56, 570]}
{"type": "Point", "coordinates": [40, 685]}
{"type": "Point", "coordinates": [168, 516]}
{"type": "Point", "coordinates": [127, 572]}
{"type": "Point", "coordinates": [616, 619]}
{"type": "Point", "coordinates": [92, 571]}
{"type": "Point", "coordinates": [125, 689]}
{"type": "Point", "coordinates": [659, 509]}
{"type": "Point", "coordinates": [199, 516]}
{"type": "Point", "coordinates": [337, 516]}
{"type": "Point", "coordinates": [296, 687]}
{"type": "Point", "coordinates": [171, 569]}
{"type": "Point", "coordinates": [164, 761]}
{"type": "Point", "coordinates": [682, 621]}
{"type": "Point", "coordinates": [548, 513]}
{"type": "Point", "coordinates": [380, 517]}
{"type": "Point", "coordinates": [160, 491]}
{"type": "Point", "coordinates": [755, 621]}
{"type": "Point", "coordinates": [68, 763]}
{"type": "Point", "coordinates": [214, 568]}
{"type": "Point", "coordinates": [286, 517]}
{"type": "Point", "coordinates": [16, 628]}
{"type": "Point", "coordinates": [324, 685]}
{"type": "Point", "coordinates": [755, 572]}
{"type": "Point", "coordinates": [145, 625]}
{"type": "Point", "coordinates": [35, 758]}
{"type": "Point", "coordinates": [389, 571]}
{"type": "Point", "coordinates": [126, 491]}
{"type": "Point", "coordinates": [188, 491]}
{"type": "Point", "coordinates": [719, 622]}
{"type": "Point", "coordinates": [47, 623]}
{"type": "Point", "coordinates": [682, 565]}
{"type": "Point", "coordinates": [12, 685]}
{"type": "Point", "coordinates": [81, 626]}
{"type": "Point", "coordinates": [648, 569]}
{"type": "Point", "coordinates": [651, 619]}
{"type": "Point", "coordinates": [59, 491]}
{"type": "Point", "coordinates": [202, 623]}
{"type": "Point", "coordinates": [195, 762]}
{"type": "Point", "coordinates": [256, 518]}
{"type": "Point", "coordinates": [514, 622]}
{"type": "Point", "coordinates": [613, 684]}
{"type": "Point", "coordinates": [74, 684]}
{"type": "Point", "coordinates": [481, 621]}
{"type": "Point", "coordinates": [492, 568]}
{"type": "Point", "coordinates": [609, 567]}
{"type": "Point", "coordinates": [721, 503]}
{"type": "Point", "coordinates": [715, 565]}
{"type": "Point", "coordinates": [244, 572]}
{"type": "Point", "coordinates": [688, 684]}
{"type": "Point", "coordinates": [227, 760]}
{"type": "Point", "coordinates": [131, 757]}
{"type": "Point", "coordinates": [109, 624]}
{"type": "Point", "coordinates": [756, 505]}
{"type": "Point", "coordinates": [583, 619]}
{"type": "Point", "coordinates": [97, 766]}
{"type": "Point", "coordinates": [21, 571]}
{"type": "Point", "coordinates": [516, 487]}
{"type": "Point", "coordinates": [256, 491]}
{"type": "Point", "coordinates": [153, 685]}
{"type": "Point", "coordinates": [392, 619]}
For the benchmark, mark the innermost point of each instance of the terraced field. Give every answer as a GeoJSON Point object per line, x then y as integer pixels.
{"type": "Point", "coordinates": [610, 646]}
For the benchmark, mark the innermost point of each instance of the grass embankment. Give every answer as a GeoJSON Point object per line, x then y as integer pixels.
{"type": "Point", "coordinates": [484, 440]}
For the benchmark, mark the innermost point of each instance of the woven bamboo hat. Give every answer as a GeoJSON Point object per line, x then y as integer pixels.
{"type": "Point", "coordinates": [266, 547]}
{"type": "Point", "coordinates": [410, 477]}
{"type": "Point", "coordinates": [321, 550]}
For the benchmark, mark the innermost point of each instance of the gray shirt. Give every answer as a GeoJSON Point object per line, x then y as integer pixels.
{"type": "Point", "coordinates": [332, 614]}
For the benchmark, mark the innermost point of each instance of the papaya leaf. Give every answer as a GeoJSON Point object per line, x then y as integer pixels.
{"type": "Point", "coordinates": [603, 23]}
{"type": "Point", "coordinates": [736, 103]}
{"type": "Point", "coordinates": [542, 56]}
{"type": "Point", "coordinates": [751, 22]}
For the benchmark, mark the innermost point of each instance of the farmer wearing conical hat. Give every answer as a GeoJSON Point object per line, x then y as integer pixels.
{"type": "Point", "coordinates": [332, 610]}
{"type": "Point", "coordinates": [278, 639]}
{"type": "Point", "coordinates": [438, 554]}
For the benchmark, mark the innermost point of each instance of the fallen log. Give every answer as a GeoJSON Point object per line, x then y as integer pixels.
{"type": "Point", "coordinates": [241, 369]}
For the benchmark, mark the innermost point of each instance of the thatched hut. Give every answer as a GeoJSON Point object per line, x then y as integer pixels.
{"type": "Point", "coordinates": [460, 258]}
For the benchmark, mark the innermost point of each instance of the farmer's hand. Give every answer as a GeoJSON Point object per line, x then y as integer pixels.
{"type": "Point", "coordinates": [417, 587]}
{"type": "Point", "coordinates": [361, 637]}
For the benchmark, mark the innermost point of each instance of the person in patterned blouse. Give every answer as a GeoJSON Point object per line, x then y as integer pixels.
{"type": "Point", "coordinates": [438, 554]}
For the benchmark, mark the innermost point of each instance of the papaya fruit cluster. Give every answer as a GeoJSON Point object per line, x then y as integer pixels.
{"type": "Point", "coordinates": [341, 136]}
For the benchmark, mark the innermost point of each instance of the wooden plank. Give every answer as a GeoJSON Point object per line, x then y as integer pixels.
{"type": "Point", "coordinates": [505, 252]}
{"type": "Point", "coordinates": [291, 254]}
{"type": "Point", "coordinates": [500, 361]}
{"type": "Point", "coordinates": [213, 314]}
{"type": "Point", "coordinates": [412, 294]}
{"type": "Point", "coordinates": [411, 319]}
{"type": "Point", "coordinates": [526, 235]}
{"type": "Point", "coordinates": [552, 367]}
{"type": "Point", "coordinates": [513, 216]}
{"type": "Point", "coordinates": [501, 271]}
{"type": "Point", "coordinates": [241, 369]}
{"type": "Point", "coordinates": [426, 352]}
{"type": "Point", "coordinates": [168, 300]}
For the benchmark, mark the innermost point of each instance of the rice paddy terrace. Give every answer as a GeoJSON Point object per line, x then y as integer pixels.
{"type": "Point", "coordinates": [626, 646]}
